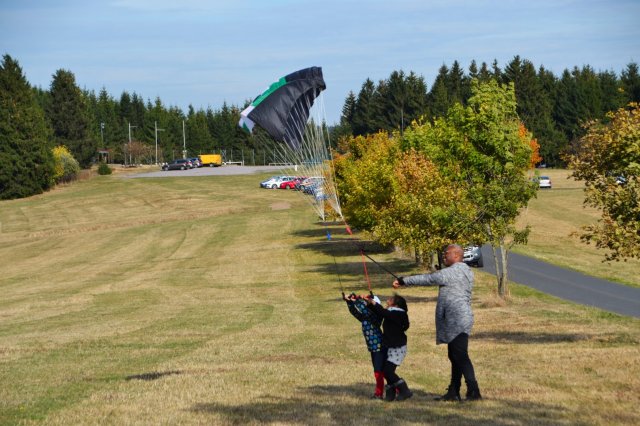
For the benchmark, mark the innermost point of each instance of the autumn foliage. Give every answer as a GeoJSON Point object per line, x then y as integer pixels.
{"type": "Point", "coordinates": [607, 159]}
{"type": "Point", "coordinates": [460, 178]}
{"type": "Point", "coordinates": [533, 143]}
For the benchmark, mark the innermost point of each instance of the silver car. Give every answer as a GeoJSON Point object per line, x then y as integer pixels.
{"type": "Point", "coordinates": [473, 256]}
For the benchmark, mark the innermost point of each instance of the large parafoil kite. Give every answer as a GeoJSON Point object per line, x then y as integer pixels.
{"type": "Point", "coordinates": [283, 111]}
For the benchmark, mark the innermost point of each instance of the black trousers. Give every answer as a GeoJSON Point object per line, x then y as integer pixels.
{"type": "Point", "coordinates": [390, 373]}
{"type": "Point", "coordinates": [460, 363]}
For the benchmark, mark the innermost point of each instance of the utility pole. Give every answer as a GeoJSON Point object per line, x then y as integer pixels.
{"type": "Point", "coordinates": [130, 126]}
{"type": "Point", "coordinates": [184, 142]}
{"type": "Point", "coordinates": [157, 130]}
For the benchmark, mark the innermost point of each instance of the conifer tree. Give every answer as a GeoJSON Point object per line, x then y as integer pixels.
{"type": "Point", "coordinates": [109, 124]}
{"type": "Point", "coordinates": [344, 129]}
{"type": "Point", "coordinates": [69, 118]}
{"type": "Point", "coordinates": [25, 151]}
{"type": "Point", "coordinates": [199, 140]}
{"type": "Point", "coordinates": [455, 83]}
{"type": "Point", "coordinates": [631, 83]}
{"type": "Point", "coordinates": [484, 74]}
{"type": "Point", "coordinates": [364, 112]}
{"type": "Point", "coordinates": [439, 95]}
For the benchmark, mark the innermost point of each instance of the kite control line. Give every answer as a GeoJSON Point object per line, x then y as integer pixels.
{"type": "Point", "coordinates": [379, 265]}
{"type": "Point", "coordinates": [363, 253]}
{"type": "Point", "coordinates": [339, 279]}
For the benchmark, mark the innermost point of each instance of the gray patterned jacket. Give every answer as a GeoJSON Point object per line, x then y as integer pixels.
{"type": "Point", "coordinates": [453, 310]}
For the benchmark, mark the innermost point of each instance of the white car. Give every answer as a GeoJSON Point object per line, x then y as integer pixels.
{"type": "Point", "coordinates": [544, 182]}
{"type": "Point", "coordinates": [274, 181]}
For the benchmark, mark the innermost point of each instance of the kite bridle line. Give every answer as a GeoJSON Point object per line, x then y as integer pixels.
{"type": "Point", "coordinates": [314, 155]}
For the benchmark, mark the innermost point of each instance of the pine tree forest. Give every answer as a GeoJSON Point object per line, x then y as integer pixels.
{"type": "Point", "coordinates": [127, 128]}
{"type": "Point", "coordinates": [554, 108]}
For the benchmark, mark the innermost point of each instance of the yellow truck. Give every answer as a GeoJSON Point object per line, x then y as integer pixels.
{"type": "Point", "coordinates": [211, 160]}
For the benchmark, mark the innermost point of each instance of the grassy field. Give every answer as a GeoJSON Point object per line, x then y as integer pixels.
{"type": "Point", "coordinates": [210, 301]}
{"type": "Point", "coordinates": [555, 216]}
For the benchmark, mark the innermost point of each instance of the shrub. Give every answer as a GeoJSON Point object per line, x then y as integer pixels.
{"type": "Point", "coordinates": [66, 167]}
{"type": "Point", "coordinates": [104, 169]}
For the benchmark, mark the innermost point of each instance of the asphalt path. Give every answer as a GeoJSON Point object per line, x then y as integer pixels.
{"type": "Point", "coordinates": [226, 170]}
{"type": "Point", "coordinates": [568, 284]}
{"type": "Point", "coordinates": [554, 280]}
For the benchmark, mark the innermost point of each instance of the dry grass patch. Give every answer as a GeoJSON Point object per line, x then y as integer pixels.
{"type": "Point", "coordinates": [555, 217]}
{"type": "Point", "coordinates": [234, 317]}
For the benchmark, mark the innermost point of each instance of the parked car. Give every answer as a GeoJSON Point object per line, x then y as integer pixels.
{"type": "Point", "coordinates": [310, 188]}
{"type": "Point", "coordinates": [274, 181]}
{"type": "Point", "coordinates": [267, 183]}
{"type": "Point", "coordinates": [291, 184]}
{"type": "Point", "coordinates": [179, 164]}
{"type": "Point", "coordinates": [544, 182]}
{"type": "Point", "coordinates": [309, 182]}
{"type": "Point", "coordinates": [195, 162]}
{"type": "Point", "coordinates": [473, 256]}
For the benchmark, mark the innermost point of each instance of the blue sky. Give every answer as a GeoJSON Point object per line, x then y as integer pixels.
{"type": "Point", "coordinates": [207, 52]}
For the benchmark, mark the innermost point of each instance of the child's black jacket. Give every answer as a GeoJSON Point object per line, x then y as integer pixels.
{"type": "Point", "coordinates": [394, 325]}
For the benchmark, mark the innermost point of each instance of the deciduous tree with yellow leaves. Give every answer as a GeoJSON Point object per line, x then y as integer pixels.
{"type": "Point", "coordinates": [607, 159]}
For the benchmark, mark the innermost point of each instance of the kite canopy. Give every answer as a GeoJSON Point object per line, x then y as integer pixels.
{"type": "Point", "coordinates": [283, 109]}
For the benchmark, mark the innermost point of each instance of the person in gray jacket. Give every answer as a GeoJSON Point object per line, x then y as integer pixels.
{"type": "Point", "coordinates": [454, 318]}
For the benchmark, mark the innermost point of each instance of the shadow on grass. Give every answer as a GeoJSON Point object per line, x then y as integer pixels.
{"type": "Point", "coordinates": [155, 375]}
{"type": "Point", "coordinates": [344, 247]}
{"type": "Point", "coordinates": [340, 267]}
{"type": "Point", "coordinates": [351, 405]}
{"type": "Point", "coordinates": [529, 337]}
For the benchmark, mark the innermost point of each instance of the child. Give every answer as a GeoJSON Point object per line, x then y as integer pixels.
{"type": "Point", "coordinates": [372, 336]}
{"type": "Point", "coordinates": [394, 324]}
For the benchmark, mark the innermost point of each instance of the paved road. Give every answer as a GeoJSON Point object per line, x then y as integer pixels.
{"type": "Point", "coordinates": [210, 171]}
{"type": "Point", "coordinates": [568, 284]}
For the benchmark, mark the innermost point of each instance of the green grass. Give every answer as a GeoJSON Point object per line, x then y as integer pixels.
{"type": "Point", "coordinates": [210, 301]}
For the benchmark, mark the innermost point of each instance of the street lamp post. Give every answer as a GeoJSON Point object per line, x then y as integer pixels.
{"type": "Point", "coordinates": [130, 126]}
{"type": "Point", "coordinates": [184, 142]}
{"type": "Point", "coordinates": [157, 130]}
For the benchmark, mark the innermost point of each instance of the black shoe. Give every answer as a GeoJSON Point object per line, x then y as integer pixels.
{"type": "Point", "coordinates": [374, 396]}
{"type": "Point", "coordinates": [473, 392]}
{"type": "Point", "coordinates": [389, 393]}
{"type": "Point", "coordinates": [404, 393]}
{"type": "Point", "coordinates": [452, 394]}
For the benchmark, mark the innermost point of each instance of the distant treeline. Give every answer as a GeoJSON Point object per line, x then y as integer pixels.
{"type": "Point", "coordinates": [127, 128]}
{"type": "Point", "coordinates": [95, 126]}
{"type": "Point", "coordinates": [553, 108]}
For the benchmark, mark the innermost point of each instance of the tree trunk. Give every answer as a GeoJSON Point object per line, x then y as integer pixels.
{"type": "Point", "coordinates": [498, 269]}
{"type": "Point", "coordinates": [503, 286]}
{"type": "Point", "coordinates": [419, 258]}
{"type": "Point", "coordinates": [433, 262]}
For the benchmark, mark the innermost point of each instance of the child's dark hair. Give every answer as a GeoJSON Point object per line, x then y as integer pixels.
{"type": "Point", "coordinates": [400, 302]}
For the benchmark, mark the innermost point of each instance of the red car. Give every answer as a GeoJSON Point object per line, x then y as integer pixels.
{"type": "Point", "coordinates": [291, 184]}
